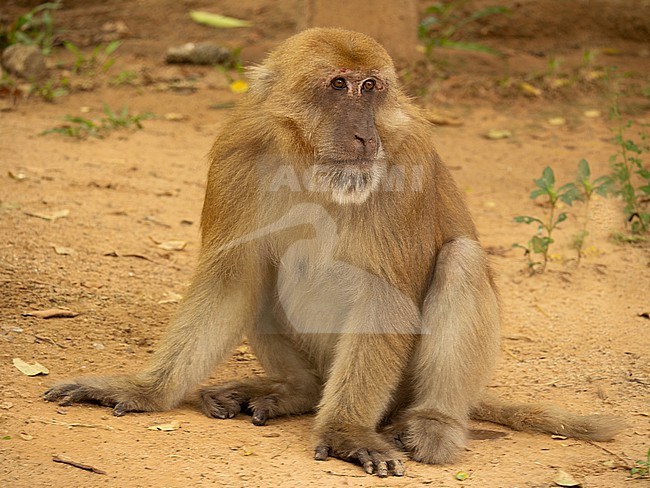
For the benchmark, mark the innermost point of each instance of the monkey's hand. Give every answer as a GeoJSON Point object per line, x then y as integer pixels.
{"type": "Point", "coordinates": [361, 445]}
{"type": "Point", "coordinates": [123, 393]}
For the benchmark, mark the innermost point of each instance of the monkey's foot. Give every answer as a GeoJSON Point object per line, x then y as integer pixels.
{"type": "Point", "coordinates": [429, 437]}
{"type": "Point", "coordinates": [262, 398]}
{"type": "Point", "coordinates": [115, 392]}
{"type": "Point", "coordinates": [376, 456]}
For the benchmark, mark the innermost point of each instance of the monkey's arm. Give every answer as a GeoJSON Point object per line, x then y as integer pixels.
{"type": "Point", "coordinates": [369, 362]}
{"type": "Point", "coordinates": [210, 322]}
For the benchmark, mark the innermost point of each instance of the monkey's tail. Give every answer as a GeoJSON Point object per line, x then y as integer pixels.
{"type": "Point", "coordinates": [547, 419]}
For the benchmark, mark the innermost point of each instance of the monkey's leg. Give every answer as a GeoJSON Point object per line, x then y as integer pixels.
{"type": "Point", "coordinates": [291, 387]}
{"type": "Point", "coordinates": [369, 362]}
{"type": "Point", "coordinates": [455, 354]}
{"type": "Point", "coordinates": [209, 324]}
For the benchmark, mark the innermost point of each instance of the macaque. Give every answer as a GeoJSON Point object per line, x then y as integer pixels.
{"type": "Point", "coordinates": [336, 241]}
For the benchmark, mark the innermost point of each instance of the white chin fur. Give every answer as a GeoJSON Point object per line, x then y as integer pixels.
{"type": "Point", "coordinates": [350, 184]}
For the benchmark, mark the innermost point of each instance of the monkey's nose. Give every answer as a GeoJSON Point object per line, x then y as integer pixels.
{"type": "Point", "coordinates": [366, 143]}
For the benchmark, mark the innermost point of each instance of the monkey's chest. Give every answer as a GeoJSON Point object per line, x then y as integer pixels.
{"type": "Point", "coordinates": [314, 291]}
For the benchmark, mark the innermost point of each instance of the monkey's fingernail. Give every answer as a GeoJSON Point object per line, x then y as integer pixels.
{"type": "Point", "coordinates": [369, 467]}
{"type": "Point", "coordinates": [397, 467]}
{"type": "Point", "coordinates": [321, 453]}
{"type": "Point", "coordinates": [119, 410]}
{"type": "Point", "coordinates": [260, 417]}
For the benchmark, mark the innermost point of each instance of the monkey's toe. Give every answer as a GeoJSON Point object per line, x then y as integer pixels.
{"type": "Point", "coordinates": [68, 393]}
{"type": "Point", "coordinates": [380, 462]}
{"type": "Point", "coordinates": [220, 404]}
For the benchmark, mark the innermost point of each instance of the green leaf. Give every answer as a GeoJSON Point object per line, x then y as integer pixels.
{"type": "Point", "coordinates": [561, 218]}
{"type": "Point", "coordinates": [525, 219]}
{"type": "Point", "coordinates": [548, 176]}
{"type": "Point", "coordinates": [540, 244]}
{"type": "Point", "coordinates": [583, 170]}
{"type": "Point", "coordinates": [461, 475]}
{"type": "Point", "coordinates": [537, 193]}
{"type": "Point", "coordinates": [112, 47]}
{"type": "Point", "coordinates": [218, 21]}
{"type": "Point", "coordinates": [569, 193]}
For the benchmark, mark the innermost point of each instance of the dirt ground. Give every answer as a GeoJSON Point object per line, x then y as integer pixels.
{"type": "Point", "coordinates": [573, 336]}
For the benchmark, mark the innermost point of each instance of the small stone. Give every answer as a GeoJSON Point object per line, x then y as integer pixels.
{"type": "Point", "coordinates": [27, 62]}
{"type": "Point", "coordinates": [201, 53]}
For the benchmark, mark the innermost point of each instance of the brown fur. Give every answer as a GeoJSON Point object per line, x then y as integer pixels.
{"type": "Point", "coordinates": [373, 304]}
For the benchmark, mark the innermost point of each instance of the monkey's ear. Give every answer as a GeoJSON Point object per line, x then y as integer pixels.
{"type": "Point", "coordinates": [260, 78]}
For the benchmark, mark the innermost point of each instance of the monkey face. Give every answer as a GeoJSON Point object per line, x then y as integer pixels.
{"type": "Point", "coordinates": [331, 102]}
{"type": "Point", "coordinates": [349, 153]}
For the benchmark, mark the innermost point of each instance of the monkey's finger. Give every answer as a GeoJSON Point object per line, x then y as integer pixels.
{"type": "Point", "coordinates": [321, 453]}
{"type": "Point", "coordinates": [120, 409]}
{"type": "Point", "coordinates": [382, 469]}
{"type": "Point", "coordinates": [366, 461]}
{"type": "Point", "coordinates": [61, 393]}
{"type": "Point", "coordinates": [260, 417]}
{"type": "Point", "coordinates": [396, 466]}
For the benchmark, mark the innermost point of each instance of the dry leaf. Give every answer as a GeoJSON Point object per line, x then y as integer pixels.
{"type": "Point", "coordinates": [17, 175]}
{"type": "Point", "coordinates": [218, 21]}
{"type": "Point", "coordinates": [594, 75]}
{"type": "Point", "coordinates": [30, 369]}
{"type": "Point", "coordinates": [440, 118]}
{"type": "Point", "coordinates": [495, 134]}
{"type": "Point", "coordinates": [173, 425]}
{"type": "Point", "coordinates": [59, 214]}
{"type": "Point", "coordinates": [558, 82]}
{"type": "Point", "coordinates": [169, 245]}
{"type": "Point", "coordinates": [172, 245]}
{"type": "Point", "coordinates": [247, 451]}
{"type": "Point", "coordinates": [26, 437]}
{"type": "Point", "coordinates": [557, 121]}
{"type": "Point", "coordinates": [64, 251]}
{"type": "Point", "coordinates": [562, 478]}
{"type": "Point", "coordinates": [173, 116]}
{"type": "Point", "coordinates": [592, 114]}
{"type": "Point", "coordinates": [530, 90]}
{"type": "Point", "coordinates": [51, 313]}
{"type": "Point", "coordinates": [559, 437]}
{"type": "Point", "coordinates": [173, 298]}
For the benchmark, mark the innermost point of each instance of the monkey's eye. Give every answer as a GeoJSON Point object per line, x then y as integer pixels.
{"type": "Point", "coordinates": [339, 84]}
{"type": "Point", "coordinates": [368, 85]}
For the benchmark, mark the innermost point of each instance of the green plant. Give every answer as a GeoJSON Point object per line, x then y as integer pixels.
{"type": "Point", "coordinates": [631, 178]}
{"type": "Point", "coordinates": [443, 25]}
{"type": "Point", "coordinates": [641, 469]}
{"type": "Point", "coordinates": [36, 27]}
{"type": "Point", "coordinates": [583, 189]}
{"type": "Point", "coordinates": [123, 119]}
{"type": "Point", "coordinates": [81, 128]}
{"type": "Point", "coordinates": [48, 91]}
{"type": "Point", "coordinates": [77, 127]}
{"type": "Point", "coordinates": [100, 58]}
{"type": "Point", "coordinates": [125, 77]}
{"type": "Point", "coordinates": [540, 243]}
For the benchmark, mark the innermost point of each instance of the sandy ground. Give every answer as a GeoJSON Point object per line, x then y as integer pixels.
{"type": "Point", "coordinates": [572, 336]}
